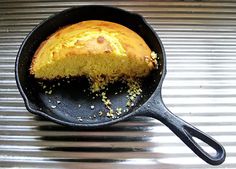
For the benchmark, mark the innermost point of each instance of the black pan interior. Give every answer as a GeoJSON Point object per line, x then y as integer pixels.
{"type": "Point", "coordinates": [71, 102]}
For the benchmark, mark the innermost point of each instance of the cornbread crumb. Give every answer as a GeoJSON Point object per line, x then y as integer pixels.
{"type": "Point", "coordinates": [107, 104]}
{"type": "Point", "coordinates": [100, 113]}
{"type": "Point", "coordinates": [133, 91]}
{"type": "Point", "coordinates": [110, 114]}
{"type": "Point", "coordinates": [128, 103]}
{"type": "Point", "coordinates": [50, 92]}
{"type": "Point", "coordinates": [80, 119]}
{"type": "Point", "coordinates": [153, 55]}
{"type": "Point", "coordinates": [53, 107]}
{"type": "Point", "coordinates": [118, 111]}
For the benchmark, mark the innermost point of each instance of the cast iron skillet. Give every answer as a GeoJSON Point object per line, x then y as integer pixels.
{"type": "Point", "coordinates": [76, 101]}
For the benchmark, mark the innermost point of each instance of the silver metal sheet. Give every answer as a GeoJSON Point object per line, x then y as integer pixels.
{"type": "Point", "coordinates": [200, 42]}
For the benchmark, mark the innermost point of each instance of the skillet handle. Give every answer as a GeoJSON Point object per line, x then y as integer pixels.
{"type": "Point", "coordinates": [186, 132]}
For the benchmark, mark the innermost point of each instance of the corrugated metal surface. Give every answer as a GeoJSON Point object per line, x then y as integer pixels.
{"type": "Point", "coordinates": [200, 42]}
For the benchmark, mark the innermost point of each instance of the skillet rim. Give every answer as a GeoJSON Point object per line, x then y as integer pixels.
{"type": "Point", "coordinates": [156, 92]}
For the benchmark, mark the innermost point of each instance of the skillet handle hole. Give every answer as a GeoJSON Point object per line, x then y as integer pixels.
{"type": "Point", "coordinates": [205, 146]}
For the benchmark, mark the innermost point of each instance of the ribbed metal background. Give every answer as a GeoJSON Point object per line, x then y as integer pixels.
{"type": "Point", "coordinates": [200, 42]}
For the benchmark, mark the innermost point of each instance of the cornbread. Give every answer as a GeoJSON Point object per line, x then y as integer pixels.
{"type": "Point", "coordinates": [100, 50]}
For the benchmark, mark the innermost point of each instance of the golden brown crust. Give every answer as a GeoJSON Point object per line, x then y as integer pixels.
{"type": "Point", "coordinates": [41, 46]}
{"type": "Point", "coordinates": [35, 56]}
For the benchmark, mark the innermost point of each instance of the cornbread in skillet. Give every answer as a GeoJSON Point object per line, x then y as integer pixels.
{"type": "Point", "coordinates": [100, 50]}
